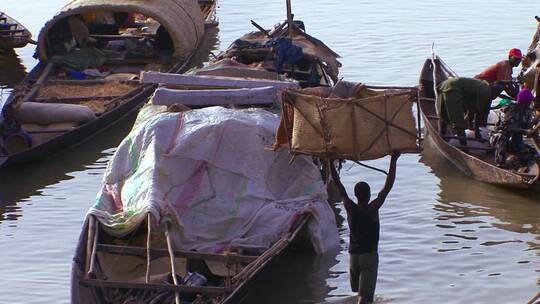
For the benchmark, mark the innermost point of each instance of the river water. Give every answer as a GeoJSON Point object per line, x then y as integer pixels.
{"type": "Point", "coordinates": [444, 237]}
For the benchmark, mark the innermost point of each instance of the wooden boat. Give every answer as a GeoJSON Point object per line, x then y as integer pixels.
{"type": "Point", "coordinates": [12, 33]}
{"type": "Point", "coordinates": [97, 273]}
{"type": "Point", "coordinates": [481, 168]}
{"type": "Point", "coordinates": [257, 54]}
{"type": "Point", "coordinates": [238, 269]}
{"type": "Point", "coordinates": [111, 95]}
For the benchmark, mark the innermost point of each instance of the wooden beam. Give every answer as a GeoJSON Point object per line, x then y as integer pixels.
{"type": "Point", "coordinates": [159, 253]}
{"type": "Point", "coordinates": [473, 148]}
{"type": "Point", "coordinates": [156, 286]}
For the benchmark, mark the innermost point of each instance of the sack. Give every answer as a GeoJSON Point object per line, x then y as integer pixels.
{"type": "Point", "coordinates": [49, 113]}
{"type": "Point", "coordinates": [368, 125]}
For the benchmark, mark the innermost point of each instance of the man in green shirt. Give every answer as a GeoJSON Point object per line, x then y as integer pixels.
{"type": "Point", "coordinates": [461, 95]}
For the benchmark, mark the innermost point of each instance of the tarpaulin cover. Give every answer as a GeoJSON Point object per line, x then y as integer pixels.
{"type": "Point", "coordinates": [211, 173]}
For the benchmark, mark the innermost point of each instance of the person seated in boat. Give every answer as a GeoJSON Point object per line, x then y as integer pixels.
{"type": "Point", "coordinates": [363, 219]}
{"type": "Point", "coordinates": [460, 96]}
{"type": "Point", "coordinates": [516, 121]}
{"type": "Point", "coordinates": [79, 30]}
{"type": "Point", "coordinates": [502, 71]}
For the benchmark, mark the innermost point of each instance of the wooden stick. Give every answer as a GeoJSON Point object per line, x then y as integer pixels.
{"type": "Point", "coordinates": [173, 267]}
{"type": "Point", "coordinates": [158, 253]}
{"type": "Point", "coordinates": [533, 300]}
{"type": "Point", "coordinates": [90, 273]}
{"type": "Point", "coordinates": [290, 19]}
{"type": "Point", "coordinates": [260, 28]}
{"type": "Point", "coordinates": [148, 248]}
{"type": "Point", "coordinates": [35, 88]}
{"type": "Point", "coordinates": [156, 286]}
{"type": "Point", "coordinates": [89, 241]}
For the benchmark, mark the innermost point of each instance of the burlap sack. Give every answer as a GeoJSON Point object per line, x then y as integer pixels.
{"type": "Point", "coordinates": [353, 128]}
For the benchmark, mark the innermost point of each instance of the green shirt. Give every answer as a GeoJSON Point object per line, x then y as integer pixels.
{"type": "Point", "coordinates": [462, 94]}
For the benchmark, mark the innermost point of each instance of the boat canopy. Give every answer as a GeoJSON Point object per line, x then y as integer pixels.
{"type": "Point", "coordinates": [182, 19]}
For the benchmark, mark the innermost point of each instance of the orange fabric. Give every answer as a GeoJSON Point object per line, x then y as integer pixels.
{"type": "Point", "coordinates": [502, 70]}
{"type": "Point", "coordinates": [284, 131]}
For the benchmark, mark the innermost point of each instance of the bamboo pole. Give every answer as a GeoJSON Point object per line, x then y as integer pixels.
{"type": "Point", "coordinates": [148, 249]}
{"type": "Point", "coordinates": [171, 254]}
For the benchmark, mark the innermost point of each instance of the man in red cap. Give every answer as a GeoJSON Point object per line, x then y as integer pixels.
{"type": "Point", "coordinates": [502, 70]}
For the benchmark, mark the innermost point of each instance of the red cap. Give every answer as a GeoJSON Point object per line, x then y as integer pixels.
{"type": "Point", "coordinates": [515, 53]}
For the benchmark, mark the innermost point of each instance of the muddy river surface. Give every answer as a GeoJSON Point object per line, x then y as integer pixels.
{"type": "Point", "coordinates": [444, 237]}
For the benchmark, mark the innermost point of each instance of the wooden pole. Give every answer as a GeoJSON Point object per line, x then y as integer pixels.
{"type": "Point", "coordinates": [35, 88]}
{"type": "Point", "coordinates": [89, 242]}
{"type": "Point", "coordinates": [290, 18]}
{"type": "Point", "coordinates": [434, 64]}
{"type": "Point", "coordinates": [148, 249]}
{"type": "Point", "coordinates": [90, 273]}
{"type": "Point", "coordinates": [171, 254]}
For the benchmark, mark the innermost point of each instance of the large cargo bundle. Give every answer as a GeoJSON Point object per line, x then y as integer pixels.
{"type": "Point", "coordinates": [349, 121]}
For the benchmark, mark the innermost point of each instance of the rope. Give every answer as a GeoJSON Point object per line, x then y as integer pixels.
{"type": "Point", "coordinates": [370, 167]}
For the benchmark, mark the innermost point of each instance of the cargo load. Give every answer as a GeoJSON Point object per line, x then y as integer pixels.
{"type": "Point", "coordinates": [349, 121]}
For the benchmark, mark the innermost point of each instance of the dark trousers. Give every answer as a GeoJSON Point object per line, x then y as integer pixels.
{"type": "Point", "coordinates": [363, 270]}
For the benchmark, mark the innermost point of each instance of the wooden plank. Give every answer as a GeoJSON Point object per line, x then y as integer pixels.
{"type": "Point", "coordinates": [265, 95]}
{"type": "Point", "coordinates": [212, 81]}
{"type": "Point", "coordinates": [156, 286]}
{"type": "Point", "coordinates": [473, 148]}
{"type": "Point", "coordinates": [2, 32]}
{"type": "Point", "coordinates": [74, 99]}
{"type": "Point", "coordinates": [159, 253]}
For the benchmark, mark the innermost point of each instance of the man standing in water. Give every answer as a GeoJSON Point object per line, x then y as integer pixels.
{"type": "Point", "coordinates": [363, 219]}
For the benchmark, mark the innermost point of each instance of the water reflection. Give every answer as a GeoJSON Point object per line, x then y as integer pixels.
{"type": "Point", "coordinates": [12, 72]}
{"type": "Point", "coordinates": [473, 214]}
{"type": "Point", "coordinates": [296, 277]}
{"type": "Point", "coordinates": [20, 181]}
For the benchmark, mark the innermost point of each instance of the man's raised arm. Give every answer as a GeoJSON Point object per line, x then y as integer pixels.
{"type": "Point", "coordinates": [390, 178]}
{"type": "Point", "coordinates": [335, 176]}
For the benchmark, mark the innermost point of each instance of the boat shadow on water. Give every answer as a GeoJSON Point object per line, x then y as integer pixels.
{"type": "Point", "coordinates": [515, 209]}
{"type": "Point", "coordinates": [12, 72]}
{"type": "Point", "coordinates": [20, 181]}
